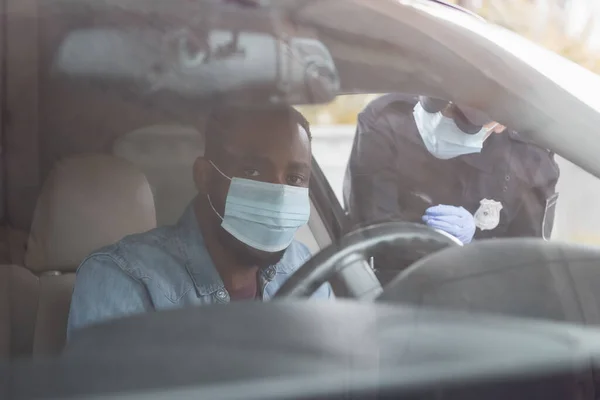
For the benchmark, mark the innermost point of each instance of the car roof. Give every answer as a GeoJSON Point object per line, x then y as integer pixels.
{"type": "Point", "coordinates": [438, 51]}
{"type": "Point", "coordinates": [425, 47]}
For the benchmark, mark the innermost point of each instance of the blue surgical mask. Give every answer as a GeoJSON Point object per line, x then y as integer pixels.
{"type": "Point", "coordinates": [443, 139]}
{"type": "Point", "coordinates": [263, 215]}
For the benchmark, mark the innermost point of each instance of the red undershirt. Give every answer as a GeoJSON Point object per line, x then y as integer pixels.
{"type": "Point", "coordinates": [248, 292]}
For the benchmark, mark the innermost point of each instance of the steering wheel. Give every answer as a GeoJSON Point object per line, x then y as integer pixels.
{"type": "Point", "coordinates": [356, 248]}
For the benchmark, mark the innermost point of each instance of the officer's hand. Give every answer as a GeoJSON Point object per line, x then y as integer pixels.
{"type": "Point", "coordinates": [454, 220]}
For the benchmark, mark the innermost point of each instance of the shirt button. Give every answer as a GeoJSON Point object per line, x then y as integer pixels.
{"type": "Point", "coordinates": [507, 178]}
{"type": "Point", "coordinates": [221, 294]}
{"type": "Point", "coordinates": [270, 273]}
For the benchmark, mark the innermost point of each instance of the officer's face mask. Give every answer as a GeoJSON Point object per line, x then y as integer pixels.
{"type": "Point", "coordinates": [263, 215]}
{"type": "Point", "coordinates": [443, 139]}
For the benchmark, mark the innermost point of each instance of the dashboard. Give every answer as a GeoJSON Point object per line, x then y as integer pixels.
{"type": "Point", "coordinates": [311, 349]}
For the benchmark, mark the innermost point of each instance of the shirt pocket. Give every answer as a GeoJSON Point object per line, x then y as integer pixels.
{"type": "Point", "coordinates": [489, 190]}
{"type": "Point", "coordinates": [534, 166]}
{"type": "Point", "coordinates": [164, 276]}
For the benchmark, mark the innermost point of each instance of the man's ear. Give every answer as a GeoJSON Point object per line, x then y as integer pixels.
{"type": "Point", "coordinates": [500, 128]}
{"type": "Point", "coordinates": [201, 173]}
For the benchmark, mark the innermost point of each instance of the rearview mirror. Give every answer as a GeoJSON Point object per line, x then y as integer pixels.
{"type": "Point", "coordinates": [233, 67]}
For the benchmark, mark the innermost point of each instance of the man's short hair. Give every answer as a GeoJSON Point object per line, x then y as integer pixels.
{"type": "Point", "coordinates": [220, 123]}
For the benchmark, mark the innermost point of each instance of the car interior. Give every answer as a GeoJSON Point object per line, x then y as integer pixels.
{"type": "Point", "coordinates": [86, 163]}
{"type": "Point", "coordinates": [89, 201]}
{"type": "Point", "coordinates": [64, 143]}
{"type": "Point", "coordinates": [83, 167]}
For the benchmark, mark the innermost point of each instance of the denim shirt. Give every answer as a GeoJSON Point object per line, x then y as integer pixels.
{"type": "Point", "coordinates": [165, 268]}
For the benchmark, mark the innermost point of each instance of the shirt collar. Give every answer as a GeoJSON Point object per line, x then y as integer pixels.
{"type": "Point", "coordinates": [495, 149]}
{"type": "Point", "coordinates": [198, 262]}
{"type": "Point", "coordinates": [200, 265]}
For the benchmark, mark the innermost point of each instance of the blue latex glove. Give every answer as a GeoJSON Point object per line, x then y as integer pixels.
{"type": "Point", "coordinates": [454, 220]}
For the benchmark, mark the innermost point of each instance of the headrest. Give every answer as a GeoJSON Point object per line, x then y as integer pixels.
{"type": "Point", "coordinates": [174, 143]}
{"type": "Point", "coordinates": [166, 154]}
{"type": "Point", "coordinates": [87, 202]}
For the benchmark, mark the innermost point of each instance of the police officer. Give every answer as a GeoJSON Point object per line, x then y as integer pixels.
{"type": "Point", "coordinates": [453, 168]}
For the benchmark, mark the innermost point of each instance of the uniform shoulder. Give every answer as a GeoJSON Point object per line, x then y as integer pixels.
{"type": "Point", "coordinates": [538, 164]}
{"type": "Point", "coordinates": [391, 117]}
{"type": "Point", "coordinates": [530, 145]}
{"type": "Point", "coordinates": [388, 102]}
{"type": "Point", "coordinates": [515, 136]}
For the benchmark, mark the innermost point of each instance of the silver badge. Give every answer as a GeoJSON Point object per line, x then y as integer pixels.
{"type": "Point", "coordinates": [487, 216]}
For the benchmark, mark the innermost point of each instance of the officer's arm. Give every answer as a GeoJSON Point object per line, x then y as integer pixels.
{"type": "Point", "coordinates": [535, 216]}
{"type": "Point", "coordinates": [371, 181]}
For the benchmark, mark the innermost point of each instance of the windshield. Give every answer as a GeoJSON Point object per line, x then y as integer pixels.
{"type": "Point", "coordinates": [571, 190]}
{"type": "Point", "coordinates": [159, 156]}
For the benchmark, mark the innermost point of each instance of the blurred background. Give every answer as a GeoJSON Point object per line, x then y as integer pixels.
{"type": "Point", "coordinates": [568, 27]}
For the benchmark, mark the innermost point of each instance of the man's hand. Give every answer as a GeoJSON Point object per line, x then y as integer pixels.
{"type": "Point", "coordinates": [454, 220]}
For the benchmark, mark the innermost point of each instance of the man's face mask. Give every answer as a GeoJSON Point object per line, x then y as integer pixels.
{"type": "Point", "coordinates": [443, 138]}
{"type": "Point", "coordinates": [263, 215]}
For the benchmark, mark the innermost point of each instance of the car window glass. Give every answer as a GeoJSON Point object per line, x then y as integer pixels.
{"type": "Point", "coordinates": [575, 219]}
{"type": "Point", "coordinates": [143, 86]}
{"type": "Point", "coordinates": [333, 128]}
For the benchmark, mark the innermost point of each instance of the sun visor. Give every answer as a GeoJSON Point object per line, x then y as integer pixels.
{"type": "Point", "coordinates": [235, 67]}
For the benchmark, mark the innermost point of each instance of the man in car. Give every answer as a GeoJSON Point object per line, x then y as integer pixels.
{"type": "Point", "coordinates": [426, 160]}
{"type": "Point", "coordinates": [234, 242]}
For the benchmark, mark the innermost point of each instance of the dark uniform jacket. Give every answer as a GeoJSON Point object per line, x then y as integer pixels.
{"type": "Point", "coordinates": [509, 187]}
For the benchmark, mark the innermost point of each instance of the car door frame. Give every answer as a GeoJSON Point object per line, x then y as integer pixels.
{"type": "Point", "coordinates": [330, 211]}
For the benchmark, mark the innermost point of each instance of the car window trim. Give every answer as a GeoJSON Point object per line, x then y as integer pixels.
{"type": "Point", "coordinates": [326, 203]}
